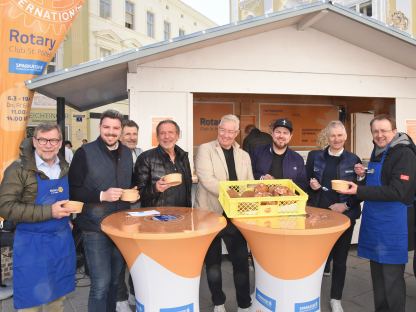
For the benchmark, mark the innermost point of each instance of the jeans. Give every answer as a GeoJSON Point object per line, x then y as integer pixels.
{"type": "Point", "coordinates": [105, 264]}
{"type": "Point", "coordinates": [238, 253]}
{"type": "Point", "coordinates": [123, 293]}
{"type": "Point", "coordinates": [389, 287]}
{"type": "Point", "coordinates": [339, 255]}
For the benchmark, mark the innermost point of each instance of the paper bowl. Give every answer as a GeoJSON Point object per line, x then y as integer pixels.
{"type": "Point", "coordinates": [130, 195]}
{"type": "Point", "coordinates": [340, 185]}
{"type": "Point", "coordinates": [75, 206]}
{"type": "Point", "coordinates": [173, 179]}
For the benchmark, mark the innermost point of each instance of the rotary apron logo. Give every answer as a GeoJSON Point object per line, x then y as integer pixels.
{"type": "Point", "coordinates": [56, 190]}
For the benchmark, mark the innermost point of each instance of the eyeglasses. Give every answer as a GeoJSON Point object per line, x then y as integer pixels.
{"type": "Point", "coordinates": [381, 131]}
{"type": "Point", "coordinates": [224, 131]}
{"type": "Point", "coordinates": [43, 141]}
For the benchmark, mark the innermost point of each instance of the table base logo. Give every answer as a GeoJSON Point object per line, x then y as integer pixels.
{"type": "Point", "coordinates": [185, 308]}
{"type": "Point", "coordinates": [309, 306]}
{"type": "Point", "coordinates": [266, 301]}
{"type": "Point", "coordinates": [139, 306]}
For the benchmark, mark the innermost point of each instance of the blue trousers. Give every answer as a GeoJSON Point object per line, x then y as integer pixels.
{"type": "Point", "coordinates": [105, 264]}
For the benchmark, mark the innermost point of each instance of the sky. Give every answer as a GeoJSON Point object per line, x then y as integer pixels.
{"type": "Point", "coordinates": [216, 10]}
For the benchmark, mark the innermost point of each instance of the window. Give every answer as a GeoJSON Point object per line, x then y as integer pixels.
{"type": "Point", "coordinates": [51, 66]}
{"type": "Point", "coordinates": [366, 8]}
{"type": "Point", "coordinates": [166, 30]}
{"type": "Point", "coordinates": [129, 15]}
{"type": "Point", "coordinates": [181, 32]}
{"type": "Point", "coordinates": [150, 24]}
{"type": "Point", "coordinates": [105, 8]}
{"type": "Point", "coordinates": [104, 52]}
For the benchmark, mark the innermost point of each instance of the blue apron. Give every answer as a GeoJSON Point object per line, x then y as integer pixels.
{"type": "Point", "coordinates": [44, 253]}
{"type": "Point", "coordinates": [383, 230]}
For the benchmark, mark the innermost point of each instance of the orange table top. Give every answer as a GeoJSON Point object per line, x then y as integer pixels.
{"type": "Point", "coordinates": [186, 222]}
{"type": "Point", "coordinates": [316, 221]}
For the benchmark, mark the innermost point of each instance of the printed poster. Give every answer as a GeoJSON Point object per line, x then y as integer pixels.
{"type": "Point", "coordinates": [30, 33]}
{"type": "Point", "coordinates": [207, 116]}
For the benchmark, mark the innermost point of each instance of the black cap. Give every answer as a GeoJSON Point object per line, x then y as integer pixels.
{"type": "Point", "coordinates": [283, 122]}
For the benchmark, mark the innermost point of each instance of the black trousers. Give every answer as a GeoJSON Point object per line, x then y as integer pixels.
{"type": "Point", "coordinates": [238, 253]}
{"type": "Point", "coordinates": [339, 255]}
{"type": "Point", "coordinates": [389, 287]}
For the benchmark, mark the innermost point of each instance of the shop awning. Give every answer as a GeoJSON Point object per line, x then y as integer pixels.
{"type": "Point", "coordinates": [103, 81]}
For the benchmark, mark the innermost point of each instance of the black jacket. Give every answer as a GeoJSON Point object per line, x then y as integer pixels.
{"type": "Point", "coordinates": [397, 176]}
{"type": "Point", "coordinates": [256, 138]}
{"type": "Point", "coordinates": [315, 168]}
{"type": "Point", "coordinates": [153, 164]}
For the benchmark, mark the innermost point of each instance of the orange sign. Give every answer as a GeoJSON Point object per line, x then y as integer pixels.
{"type": "Point", "coordinates": [207, 116]}
{"type": "Point", "coordinates": [30, 32]}
{"type": "Point", "coordinates": [411, 128]}
{"type": "Point", "coordinates": [307, 120]}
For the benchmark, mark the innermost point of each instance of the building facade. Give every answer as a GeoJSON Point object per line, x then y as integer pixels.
{"type": "Point", "coordinates": [105, 27]}
{"type": "Point", "coordinates": [396, 13]}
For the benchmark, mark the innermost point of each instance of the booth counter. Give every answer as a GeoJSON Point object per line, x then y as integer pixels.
{"type": "Point", "coordinates": [164, 254]}
{"type": "Point", "coordinates": [290, 255]}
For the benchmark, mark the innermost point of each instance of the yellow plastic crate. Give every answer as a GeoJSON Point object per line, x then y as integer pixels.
{"type": "Point", "coordinates": [261, 206]}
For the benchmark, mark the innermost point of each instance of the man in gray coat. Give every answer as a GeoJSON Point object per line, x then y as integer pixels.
{"type": "Point", "coordinates": [224, 160]}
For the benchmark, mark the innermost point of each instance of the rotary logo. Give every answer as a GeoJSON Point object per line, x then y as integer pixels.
{"type": "Point", "coordinates": [60, 189]}
{"type": "Point", "coordinates": [40, 14]}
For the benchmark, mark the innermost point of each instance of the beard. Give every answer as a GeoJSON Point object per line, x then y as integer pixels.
{"type": "Point", "coordinates": [105, 139]}
{"type": "Point", "coordinates": [280, 145]}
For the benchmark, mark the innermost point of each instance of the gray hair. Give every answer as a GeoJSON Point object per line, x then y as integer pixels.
{"type": "Point", "coordinates": [323, 136]}
{"type": "Point", "coordinates": [232, 118]}
{"type": "Point", "coordinates": [46, 127]}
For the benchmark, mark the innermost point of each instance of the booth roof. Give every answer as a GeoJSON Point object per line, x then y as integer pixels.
{"type": "Point", "coordinates": [103, 81]}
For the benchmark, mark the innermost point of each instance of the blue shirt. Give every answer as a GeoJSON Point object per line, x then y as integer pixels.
{"type": "Point", "coordinates": [51, 171]}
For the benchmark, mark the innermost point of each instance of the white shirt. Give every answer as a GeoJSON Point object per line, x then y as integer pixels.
{"type": "Point", "coordinates": [335, 154]}
{"type": "Point", "coordinates": [51, 171]}
{"type": "Point", "coordinates": [69, 154]}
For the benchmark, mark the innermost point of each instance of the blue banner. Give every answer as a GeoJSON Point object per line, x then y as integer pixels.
{"type": "Point", "coordinates": [25, 66]}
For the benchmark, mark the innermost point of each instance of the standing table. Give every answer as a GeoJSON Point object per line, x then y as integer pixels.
{"type": "Point", "coordinates": [165, 254]}
{"type": "Point", "coordinates": [290, 255]}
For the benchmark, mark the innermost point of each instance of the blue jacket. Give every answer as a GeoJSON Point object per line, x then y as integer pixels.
{"type": "Point", "coordinates": [293, 165]}
{"type": "Point", "coordinates": [315, 166]}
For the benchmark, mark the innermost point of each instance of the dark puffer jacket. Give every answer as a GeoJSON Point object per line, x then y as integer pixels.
{"type": "Point", "coordinates": [19, 188]}
{"type": "Point", "coordinates": [153, 164]}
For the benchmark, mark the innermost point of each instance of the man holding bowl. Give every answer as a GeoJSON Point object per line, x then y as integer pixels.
{"type": "Point", "coordinates": [32, 194]}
